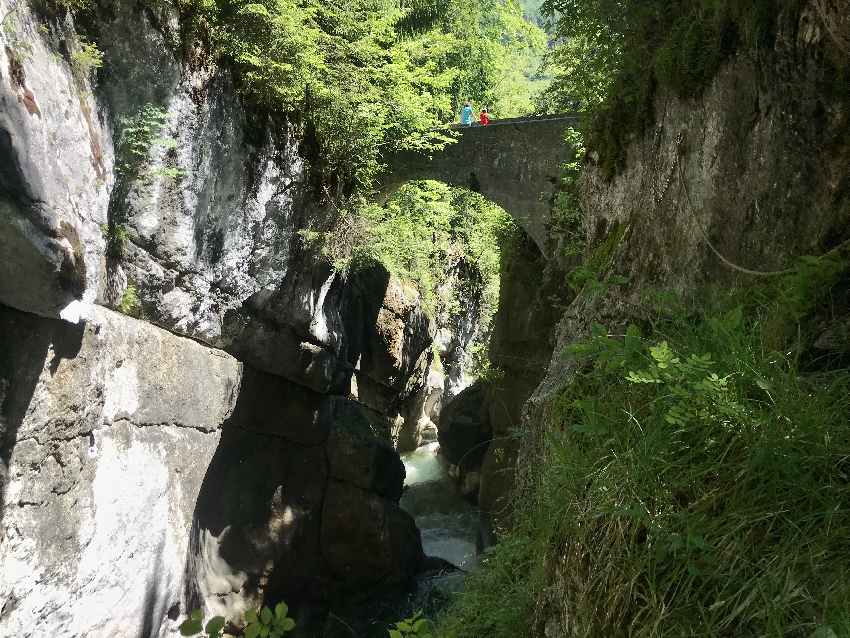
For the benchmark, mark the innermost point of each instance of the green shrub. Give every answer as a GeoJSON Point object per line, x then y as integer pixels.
{"type": "Point", "coordinates": [264, 623]}
{"type": "Point", "coordinates": [692, 480]}
{"type": "Point", "coordinates": [140, 134]}
{"type": "Point", "coordinates": [615, 56]}
{"type": "Point", "coordinates": [130, 303]}
{"type": "Point", "coordinates": [414, 627]}
{"type": "Point", "coordinates": [116, 236]}
{"type": "Point", "coordinates": [567, 219]}
{"type": "Point", "coordinates": [85, 57]}
{"type": "Point", "coordinates": [428, 229]}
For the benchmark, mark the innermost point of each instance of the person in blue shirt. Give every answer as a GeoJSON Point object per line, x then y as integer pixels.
{"type": "Point", "coordinates": [466, 115]}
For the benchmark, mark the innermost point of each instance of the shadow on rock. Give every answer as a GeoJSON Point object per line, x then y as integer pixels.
{"type": "Point", "coordinates": [299, 503]}
{"type": "Point", "coordinates": [25, 343]}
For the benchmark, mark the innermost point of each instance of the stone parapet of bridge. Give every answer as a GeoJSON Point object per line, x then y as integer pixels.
{"type": "Point", "coordinates": [515, 163]}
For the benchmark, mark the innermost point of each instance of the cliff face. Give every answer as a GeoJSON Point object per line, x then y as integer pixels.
{"type": "Point", "coordinates": [108, 429]}
{"type": "Point", "coordinates": [724, 190]}
{"type": "Point", "coordinates": [728, 188]}
{"type": "Point", "coordinates": [237, 451]}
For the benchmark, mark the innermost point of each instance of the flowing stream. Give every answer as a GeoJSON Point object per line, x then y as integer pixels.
{"type": "Point", "coordinates": [448, 523]}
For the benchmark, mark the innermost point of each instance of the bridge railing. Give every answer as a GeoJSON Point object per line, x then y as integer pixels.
{"type": "Point", "coordinates": [529, 119]}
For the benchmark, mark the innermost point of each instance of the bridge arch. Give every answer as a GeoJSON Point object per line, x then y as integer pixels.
{"type": "Point", "coordinates": [515, 163]}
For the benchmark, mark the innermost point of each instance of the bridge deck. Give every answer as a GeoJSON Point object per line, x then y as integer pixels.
{"type": "Point", "coordinates": [542, 119]}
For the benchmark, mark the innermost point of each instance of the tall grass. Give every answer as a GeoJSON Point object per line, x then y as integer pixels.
{"type": "Point", "coordinates": [694, 481]}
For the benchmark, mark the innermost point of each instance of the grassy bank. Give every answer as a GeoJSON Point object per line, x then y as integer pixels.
{"type": "Point", "coordinates": [694, 480]}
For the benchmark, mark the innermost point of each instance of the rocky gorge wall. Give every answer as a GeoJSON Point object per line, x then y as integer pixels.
{"type": "Point", "coordinates": [725, 190]}
{"type": "Point", "coordinates": [230, 442]}
{"type": "Point", "coordinates": [476, 427]}
{"type": "Point", "coordinates": [728, 188]}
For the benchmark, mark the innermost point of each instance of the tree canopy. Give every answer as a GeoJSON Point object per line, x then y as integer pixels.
{"type": "Point", "coordinates": [370, 75]}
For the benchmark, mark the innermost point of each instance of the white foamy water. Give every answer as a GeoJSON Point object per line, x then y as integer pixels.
{"type": "Point", "coordinates": [424, 465]}
{"type": "Point", "coordinates": [448, 523]}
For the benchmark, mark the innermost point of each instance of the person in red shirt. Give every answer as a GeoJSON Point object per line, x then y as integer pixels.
{"type": "Point", "coordinates": [484, 118]}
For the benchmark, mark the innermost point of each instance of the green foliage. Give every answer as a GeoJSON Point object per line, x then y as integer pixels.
{"type": "Point", "coordinates": [116, 237]}
{"type": "Point", "coordinates": [567, 218]}
{"type": "Point", "coordinates": [499, 597]}
{"type": "Point", "coordinates": [142, 135]}
{"type": "Point", "coordinates": [130, 303]}
{"type": "Point", "coordinates": [363, 82]}
{"type": "Point", "coordinates": [265, 623]}
{"type": "Point", "coordinates": [268, 623]}
{"type": "Point", "coordinates": [194, 625]}
{"type": "Point", "coordinates": [592, 276]}
{"type": "Point", "coordinates": [85, 57]}
{"type": "Point", "coordinates": [414, 627]}
{"type": "Point", "coordinates": [429, 230]}
{"type": "Point", "coordinates": [614, 56]}
{"type": "Point", "coordinates": [810, 281]}
{"type": "Point", "coordinates": [480, 365]}
{"type": "Point", "coordinates": [692, 481]}
{"type": "Point", "coordinates": [58, 7]}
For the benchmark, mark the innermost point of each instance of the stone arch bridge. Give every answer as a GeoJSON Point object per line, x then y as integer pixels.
{"type": "Point", "coordinates": [515, 163]}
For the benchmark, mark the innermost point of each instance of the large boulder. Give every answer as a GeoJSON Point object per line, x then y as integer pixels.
{"type": "Point", "coordinates": [299, 331]}
{"type": "Point", "coordinates": [363, 333]}
{"type": "Point", "coordinates": [281, 515]}
{"type": "Point", "coordinates": [366, 542]}
{"type": "Point", "coordinates": [107, 431]}
{"type": "Point", "coordinates": [465, 428]}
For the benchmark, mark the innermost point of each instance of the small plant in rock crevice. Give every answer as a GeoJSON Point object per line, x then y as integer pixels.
{"type": "Point", "coordinates": [265, 623]}
{"type": "Point", "coordinates": [130, 303]}
{"type": "Point", "coordinates": [86, 57]}
{"type": "Point", "coordinates": [116, 237]}
{"type": "Point", "coordinates": [140, 135]}
{"type": "Point", "coordinates": [416, 626]}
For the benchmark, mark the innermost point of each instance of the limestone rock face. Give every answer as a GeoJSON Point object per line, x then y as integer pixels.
{"type": "Point", "coordinates": [362, 334]}
{"type": "Point", "coordinates": [145, 475]}
{"type": "Point", "coordinates": [476, 426]}
{"type": "Point", "coordinates": [108, 428]}
{"type": "Point", "coordinates": [199, 224]}
{"type": "Point", "coordinates": [395, 356]}
{"type": "Point", "coordinates": [463, 323]}
{"type": "Point", "coordinates": [210, 218]}
{"type": "Point", "coordinates": [56, 172]}
{"type": "Point", "coordinates": [753, 175]}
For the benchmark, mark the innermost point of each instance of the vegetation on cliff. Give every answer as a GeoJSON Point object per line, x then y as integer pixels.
{"type": "Point", "coordinates": [692, 480]}
{"type": "Point", "coordinates": [614, 58]}
{"type": "Point", "coordinates": [367, 75]}
{"type": "Point", "coordinates": [429, 230]}
{"type": "Point", "coordinates": [688, 478]}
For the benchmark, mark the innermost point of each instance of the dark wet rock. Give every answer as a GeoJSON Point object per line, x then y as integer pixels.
{"type": "Point", "coordinates": [365, 461]}
{"type": "Point", "coordinates": [465, 428]}
{"type": "Point", "coordinates": [367, 540]}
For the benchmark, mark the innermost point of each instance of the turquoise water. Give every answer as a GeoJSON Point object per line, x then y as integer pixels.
{"type": "Point", "coordinates": [448, 523]}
